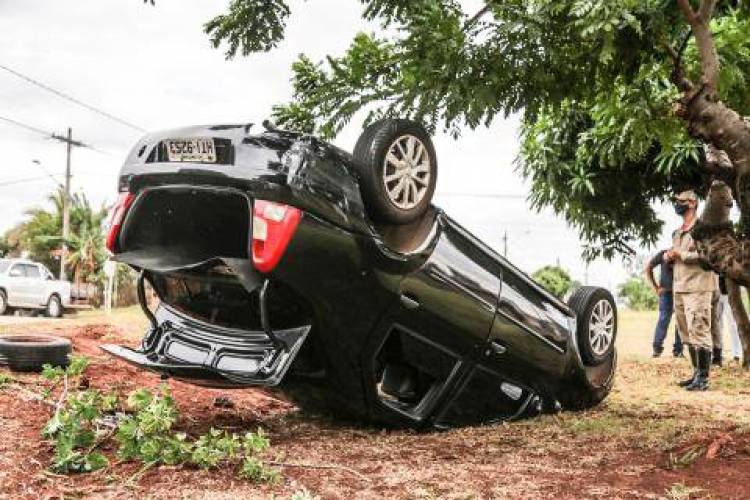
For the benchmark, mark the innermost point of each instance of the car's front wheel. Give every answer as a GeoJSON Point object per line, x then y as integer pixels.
{"type": "Point", "coordinates": [54, 307]}
{"type": "Point", "coordinates": [397, 169]}
{"type": "Point", "coordinates": [3, 302]}
{"type": "Point", "coordinates": [596, 315]}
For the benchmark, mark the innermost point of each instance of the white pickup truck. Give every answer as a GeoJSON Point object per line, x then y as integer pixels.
{"type": "Point", "coordinates": [28, 285]}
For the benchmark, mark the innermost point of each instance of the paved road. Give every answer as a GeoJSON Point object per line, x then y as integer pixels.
{"type": "Point", "coordinates": [23, 320]}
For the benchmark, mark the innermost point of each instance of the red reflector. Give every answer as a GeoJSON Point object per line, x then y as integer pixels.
{"type": "Point", "coordinates": [124, 200]}
{"type": "Point", "coordinates": [273, 227]}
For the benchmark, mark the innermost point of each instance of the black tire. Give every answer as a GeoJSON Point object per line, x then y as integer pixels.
{"type": "Point", "coordinates": [3, 302]}
{"type": "Point", "coordinates": [594, 304]}
{"type": "Point", "coordinates": [54, 307]}
{"type": "Point", "coordinates": [28, 353]}
{"type": "Point", "coordinates": [370, 160]}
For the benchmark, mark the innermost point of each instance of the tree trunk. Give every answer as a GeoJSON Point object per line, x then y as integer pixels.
{"type": "Point", "coordinates": [734, 293]}
{"type": "Point", "coordinates": [711, 121]}
{"type": "Point", "coordinates": [707, 117]}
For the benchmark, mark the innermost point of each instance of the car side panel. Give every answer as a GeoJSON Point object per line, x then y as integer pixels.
{"type": "Point", "coordinates": [446, 295]}
{"type": "Point", "coordinates": [452, 296]}
{"type": "Point", "coordinates": [523, 343]}
{"type": "Point", "coordinates": [17, 286]}
{"type": "Point", "coordinates": [37, 285]}
{"type": "Point", "coordinates": [332, 268]}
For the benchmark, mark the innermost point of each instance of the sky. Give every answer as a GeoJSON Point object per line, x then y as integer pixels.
{"type": "Point", "coordinates": [154, 67]}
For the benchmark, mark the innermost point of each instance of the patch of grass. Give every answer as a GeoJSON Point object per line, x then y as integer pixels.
{"type": "Point", "coordinates": [730, 378]}
{"type": "Point", "coordinates": [680, 491]}
{"type": "Point", "coordinates": [5, 379]}
{"type": "Point", "coordinates": [685, 458]}
{"type": "Point", "coordinates": [303, 494]}
{"type": "Point", "coordinates": [130, 321]}
{"type": "Point", "coordinates": [598, 424]}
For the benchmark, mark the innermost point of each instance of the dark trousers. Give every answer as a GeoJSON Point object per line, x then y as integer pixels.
{"type": "Point", "coordinates": [666, 308]}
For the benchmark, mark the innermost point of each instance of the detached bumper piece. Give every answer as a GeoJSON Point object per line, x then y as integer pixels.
{"type": "Point", "coordinates": [210, 355]}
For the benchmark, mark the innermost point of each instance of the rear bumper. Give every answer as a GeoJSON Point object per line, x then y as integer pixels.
{"type": "Point", "coordinates": [209, 355]}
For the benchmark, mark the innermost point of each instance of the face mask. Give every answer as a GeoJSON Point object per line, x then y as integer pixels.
{"type": "Point", "coordinates": [681, 208]}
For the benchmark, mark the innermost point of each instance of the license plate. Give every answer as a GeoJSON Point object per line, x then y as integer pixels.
{"type": "Point", "coordinates": [194, 149]}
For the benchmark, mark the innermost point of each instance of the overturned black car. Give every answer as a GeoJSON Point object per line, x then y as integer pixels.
{"type": "Point", "coordinates": [282, 261]}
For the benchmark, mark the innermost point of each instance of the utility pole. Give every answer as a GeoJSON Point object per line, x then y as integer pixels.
{"type": "Point", "coordinates": [69, 142]}
{"type": "Point", "coordinates": [505, 243]}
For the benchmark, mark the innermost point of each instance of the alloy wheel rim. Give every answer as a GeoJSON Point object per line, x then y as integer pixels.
{"type": "Point", "coordinates": [54, 308]}
{"type": "Point", "coordinates": [406, 172]}
{"type": "Point", "coordinates": [601, 327]}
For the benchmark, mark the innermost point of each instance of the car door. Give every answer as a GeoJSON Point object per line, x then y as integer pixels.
{"type": "Point", "coordinates": [452, 297]}
{"type": "Point", "coordinates": [18, 290]}
{"type": "Point", "coordinates": [36, 284]}
{"type": "Point", "coordinates": [526, 342]}
{"type": "Point", "coordinates": [446, 305]}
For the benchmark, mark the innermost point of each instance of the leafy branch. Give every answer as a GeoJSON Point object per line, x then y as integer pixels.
{"type": "Point", "coordinates": [79, 427]}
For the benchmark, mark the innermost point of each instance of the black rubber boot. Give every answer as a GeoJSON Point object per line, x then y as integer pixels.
{"type": "Point", "coordinates": [704, 370]}
{"type": "Point", "coordinates": [716, 358]}
{"type": "Point", "coordinates": [657, 351]}
{"type": "Point", "coordinates": [694, 361]}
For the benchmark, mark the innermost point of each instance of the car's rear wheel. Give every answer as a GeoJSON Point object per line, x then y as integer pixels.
{"type": "Point", "coordinates": [3, 302]}
{"type": "Point", "coordinates": [397, 169]}
{"type": "Point", "coordinates": [597, 323]}
{"type": "Point", "coordinates": [54, 307]}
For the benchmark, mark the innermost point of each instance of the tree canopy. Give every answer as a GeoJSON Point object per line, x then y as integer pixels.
{"type": "Point", "coordinates": [555, 279]}
{"type": "Point", "coordinates": [601, 139]}
{"type": "Point", "coordinates": [638, 294]}
{"type": "Point", "coordinates": [39, 235]}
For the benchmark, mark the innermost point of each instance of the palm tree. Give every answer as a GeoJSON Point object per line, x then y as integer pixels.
{"type": "Point", "coordinates": [85, 244]}
{"type": "Point", "coordinates": [41, 235]}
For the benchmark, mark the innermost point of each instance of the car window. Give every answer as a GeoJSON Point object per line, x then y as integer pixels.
{"type": "Point", "coordinates": [46, 273]}
{"type": "Point", "coordinates": [17, 271]}
{"type": "Point", "coordinates": [4, 265]}
{"type": "Point", "coordinates": [33, 272]}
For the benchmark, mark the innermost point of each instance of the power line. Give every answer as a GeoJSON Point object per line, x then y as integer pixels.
{"type": "Point", "coordinates": [103, 151]}
{"type": "Point", "coordinates": [72, 99]}
{"type": "Point", "coordinates": [482, 195]}
{"type": "Point", "coordinates": [27, 127]}
{"type": "Point", "coordinates": [52, 135]}
{"type": "Point", "coordinates": [39, 164]}
{"type": "Point", "coordinates": [21, 181]}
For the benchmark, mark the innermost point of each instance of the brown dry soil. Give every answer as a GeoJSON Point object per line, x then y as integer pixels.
{"type": "Point", "coordinates": [666, 445]}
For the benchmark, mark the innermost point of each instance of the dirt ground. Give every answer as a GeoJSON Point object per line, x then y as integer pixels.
{"type": "Point", "coordinates": [649, 439]}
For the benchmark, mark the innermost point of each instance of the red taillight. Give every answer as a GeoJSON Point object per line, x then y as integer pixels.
{"type": "Point", "coordinates": [124, 200]}
{"type": "Point", "coordinates": [273, 227]}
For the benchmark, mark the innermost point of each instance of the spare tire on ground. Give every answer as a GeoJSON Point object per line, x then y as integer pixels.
{"type": "Point", "coordinates": [397, 169]}
{"type": "Point", "coordinates": [29, 352]}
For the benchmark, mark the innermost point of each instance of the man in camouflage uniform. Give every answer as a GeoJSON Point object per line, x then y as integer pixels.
{"type": "Point", "coordinates": [693, 291]}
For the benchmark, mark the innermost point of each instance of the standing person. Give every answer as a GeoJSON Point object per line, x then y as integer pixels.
{"type": "Point", "coordinates": [693, 290]}
{"type": "Point", "coordinates": [666, 302]}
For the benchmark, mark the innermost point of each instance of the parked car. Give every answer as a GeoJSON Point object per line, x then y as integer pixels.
{"type": "Point", "coordinates": [28, 285]}
{"type": "Point", "coordinates": [283, 261]}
